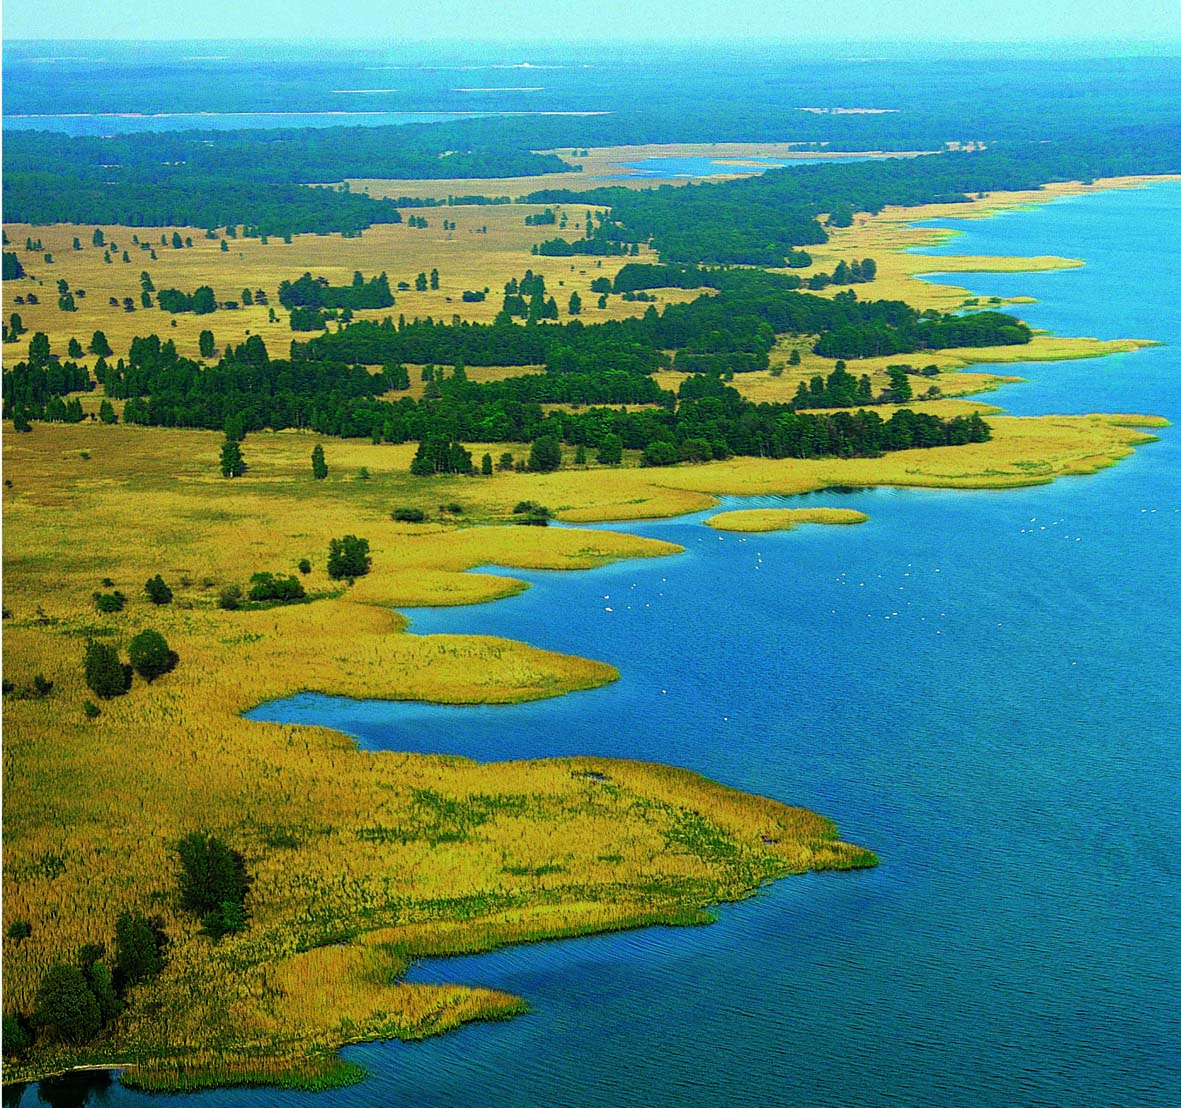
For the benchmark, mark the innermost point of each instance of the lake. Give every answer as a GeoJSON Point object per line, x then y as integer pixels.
{"type": "Point", "coordinates": [712, 167]}
{"type": "Point", "coordinates": [979, 686]}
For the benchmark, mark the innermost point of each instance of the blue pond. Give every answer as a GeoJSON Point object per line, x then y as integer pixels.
{"type": "Point", "coordinates": [980, 686]}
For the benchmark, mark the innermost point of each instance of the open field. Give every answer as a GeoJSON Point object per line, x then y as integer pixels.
{"type": "Point", "coordinates": [467, 260]}
{"type": "Point", "coordinates": [363, 861]}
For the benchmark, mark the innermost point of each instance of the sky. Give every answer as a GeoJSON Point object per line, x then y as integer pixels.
{"type": "Point", "coordinates": [675, 21]}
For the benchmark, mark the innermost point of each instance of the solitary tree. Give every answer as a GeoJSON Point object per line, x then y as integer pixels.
{"type": "Point", "coordinates": [65, 1008]}
{"type": "Point", "coordinates": [899, 383]}
{"type": "Point", "coordinates": [319, 466]}
{"type": "Point", "coordinates": [150, 656]}
{"type": "Point", "coordinates": [105, 673]}
{"type": "Point", "coordinates": [486, 465]}
{"type": "Point", "coordinates": [545, 455]}
{"type": "Point", "coordinates": [575, 303]}
{"type": "Point", "coordinates": [139, 949]}
{"type": "Point", "coordinates": [39, 350]}
{"type": "Point", "coordinates": [205, 344]}
{"type": "Point", "coordinates": [232, 463]}
{"type": "Point", "coordinates": [203, 301]}
{"type": "Point", "coordinates": [434, 280]}
{"type": "Point", "coordinates": [213, 883]}
{"type": "Point", "coordinates": [99, 345]}
{"type": "Point", "coordinates": [98, 238]}
{"type": "Point", "coordinates": [158, 592]}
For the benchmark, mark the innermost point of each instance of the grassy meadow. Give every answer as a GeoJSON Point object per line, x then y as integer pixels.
{"type": "Point", "coordinates": [782, 519]}
{"type": "Point", "coordinates": [363, 861]}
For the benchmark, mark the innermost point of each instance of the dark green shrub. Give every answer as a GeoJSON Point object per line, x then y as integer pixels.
{"type": "Point", "coordinates": [213, 883]}
{"type": "Point", "coordinates": [91, 709]}
{"type": "Point", "coordinates": [16, 1037]}
{"type": "Point", "coordinates": [409, 515]}
{"type": "Point", "coordinates": [158, 592]}
{"type": "Point", "coordinates": [150, 656]}
{"type": "Point", "coordinates": [269, 586]}
{"type": "Point", "coordinates": [531, 514]}
{"type": "Point", "coordinates": [230, 598]}
{"type": "Point", "coordinates": [109, 601]}
{"type": "Point", "coordinates": [139, 946]}
{"type": "Point", "coordinates": [348, 557]}
{"type": "Point", "coordinates": [305, 566]}
{"type": "Point", "coordinates": [18, 930]}
{"type": "Point", "coordinates": [65, 1008]}
{"type": "Point", "coordinates": [106, 675]}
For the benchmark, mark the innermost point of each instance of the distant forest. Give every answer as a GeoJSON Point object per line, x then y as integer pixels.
{"type": "Point", "coordinates": [256, 179]}
{"type": "Point", "coordinates": [233, 178]}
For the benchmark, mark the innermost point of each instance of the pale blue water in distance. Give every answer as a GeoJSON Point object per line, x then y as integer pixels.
{"type": "Point", "coordinates": [980, 686]}
{"type": "Point", "coordinates": [712, 167]}
{"type": "Point", "coordinates": [131, 123]}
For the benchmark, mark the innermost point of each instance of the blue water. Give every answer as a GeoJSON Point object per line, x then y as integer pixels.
{"type": "Point", "coordinates": [711, 167]}
{"type": "Point", "coordinates": [129, 124]}
{"type": "Point", "coordinates": [980, 686]}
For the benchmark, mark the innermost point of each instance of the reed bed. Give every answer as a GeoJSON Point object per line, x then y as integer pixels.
{"type": "Point", "coordinates": [360, 861]}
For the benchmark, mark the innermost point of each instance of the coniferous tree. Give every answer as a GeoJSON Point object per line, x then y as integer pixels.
{"type": "Point", "coordinates": [319, 465]}
{"type": "Point", "coordinates": [232, 463]}
{"type": "Point", "coordinates": [105, 673]}
{"type": "Point", "coordinates": [139, 949]}
{"type": "Point", "coordinates": [158, 592]}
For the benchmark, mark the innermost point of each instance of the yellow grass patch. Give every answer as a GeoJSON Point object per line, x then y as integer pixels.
{"type": "Point", "coordinates": [782, 519]}
{"type": "Point", "coordinates": [431, 854]}
{"type": "Point", "coordinates": [489, 246]}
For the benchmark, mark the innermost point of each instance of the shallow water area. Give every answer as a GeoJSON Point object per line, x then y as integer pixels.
{"type": "Point", "coordinates": [976, 685]}
{"type": "Point", "coordinates": [696, 167]}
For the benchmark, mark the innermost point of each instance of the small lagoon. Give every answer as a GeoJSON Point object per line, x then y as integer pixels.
{"type": "Point", "coordinates": [714, 167]}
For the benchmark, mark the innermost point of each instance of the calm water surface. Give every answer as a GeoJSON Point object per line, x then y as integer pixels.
{"type": "Point", "coordinates": [978, 685]}
{"type": "Point", "coordinates": [712, 167]}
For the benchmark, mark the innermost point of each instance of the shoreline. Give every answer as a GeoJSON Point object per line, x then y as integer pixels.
{"type": "Point", "coordinates": [691, 481]}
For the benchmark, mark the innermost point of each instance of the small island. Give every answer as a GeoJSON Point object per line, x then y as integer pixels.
{"type": "Point", "coordinates": [781, 519]}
